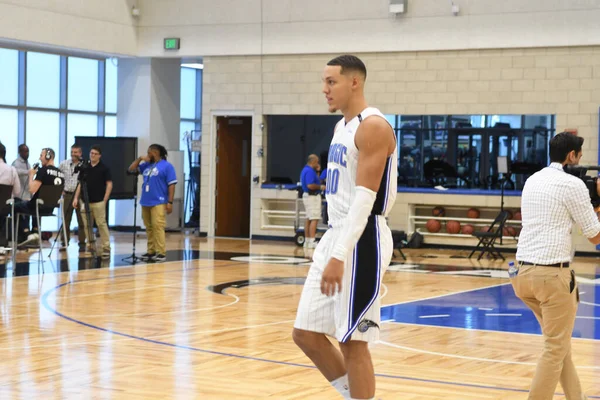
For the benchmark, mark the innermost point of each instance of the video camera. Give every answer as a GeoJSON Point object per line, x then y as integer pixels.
{"type": "Point", "coordinates": [82, 168]}
{"type": "Point", "coordinates": [580, 172]}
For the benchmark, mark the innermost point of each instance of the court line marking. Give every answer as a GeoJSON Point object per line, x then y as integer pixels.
{"type": "Point", "coordinates": [250, 358]}
{"type": "Point", "coordinates": [239, 328]}
{"type": "Point", "coordinates": [56, 312]}
{"type": "Point", "coordinates": [482, 330]}
{"type": "Point", "coordinates": [385, 292]}
{"type": "Point", "coordinates": [502, 315]}
{"type": "Point", "coordinates": [589, 304]}
{"type": "Point", "coordinates": [236, 300]}
{"type": "Point", "coordinates": [435, 353]}
{"type": "Point", "coordinates": [446, 294]}
{"type": "Point", "coordinates": [434, 316]}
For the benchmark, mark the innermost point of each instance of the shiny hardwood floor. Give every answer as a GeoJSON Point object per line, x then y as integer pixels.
{"type": "Point", "coordinates": [214, 322]}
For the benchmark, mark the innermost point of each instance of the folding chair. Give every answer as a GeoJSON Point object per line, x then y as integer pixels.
{"type": "Point", "coordinates": [487, 239]}
{"type": "Point", "coordinates": [5, 197]}
{"type": "Point", "coordinates": [49, 197]}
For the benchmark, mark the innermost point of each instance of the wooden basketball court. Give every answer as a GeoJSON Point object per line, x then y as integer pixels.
{"type": "Point", "coordinates": [215, 323]}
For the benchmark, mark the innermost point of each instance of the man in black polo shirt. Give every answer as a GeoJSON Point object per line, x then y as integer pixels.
{"type": "Point", "coordinates": [99, 185]}
{"type": "Point", "coordinates": [48, 174]}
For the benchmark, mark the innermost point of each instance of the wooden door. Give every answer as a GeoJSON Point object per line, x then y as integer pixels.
{"type": "Point", "coordinates": [232, 197]}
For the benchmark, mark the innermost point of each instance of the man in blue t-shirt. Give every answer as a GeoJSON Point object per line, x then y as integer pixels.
{"type": "Point", "coordinates": [311, 185]}
{"type": "Point", "coordinates": [158, 190]}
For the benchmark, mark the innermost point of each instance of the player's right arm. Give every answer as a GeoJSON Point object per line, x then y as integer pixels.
{"type": "Point", "coordinates": [375, 142]}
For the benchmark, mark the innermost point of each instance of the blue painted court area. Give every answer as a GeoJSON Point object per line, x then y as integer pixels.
{"type": "Point", "coordinates": [492, 309]}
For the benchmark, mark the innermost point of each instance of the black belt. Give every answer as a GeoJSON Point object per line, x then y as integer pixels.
{"type": "Point", "coordinates": [69, 192]}
{"type": "Point", "coordinates": [557, 265]}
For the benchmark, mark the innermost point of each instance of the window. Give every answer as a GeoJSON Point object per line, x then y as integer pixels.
{"type": "Point", "coordinates": [80, 125]}
{"type": "Point", "coordinates": [463, 150]}
{"type": "Point", "coordinates": [110, 126]}
{"type": "Point", "coordinates": [82, 84]}
{"type": "Point", "coordinates": [9, 77]}
{"type": "Point", "coordinates": [191, 119]}
{"type": "Point", "coordinates": [111, 86]}
{"type": "Point", "coordinates": [188, 93]}
{"type": "Point", "coordinates": [43, 80]}
{"type": "Point", "coordinates": [9, 129]}
{"type": "Point", "coordinates": [42, 131]}
{"type": "Point", "coordinates": [56, 90]}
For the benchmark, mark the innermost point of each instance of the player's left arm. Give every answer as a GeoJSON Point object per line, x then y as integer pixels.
{"type": "Point", "coordinates": [375, 142]}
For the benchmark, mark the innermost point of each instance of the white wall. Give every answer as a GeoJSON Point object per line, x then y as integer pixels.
{"type": "Point", "coordinates": [98, 26]}
{"type": "Point", "coordinates": [230, 27]}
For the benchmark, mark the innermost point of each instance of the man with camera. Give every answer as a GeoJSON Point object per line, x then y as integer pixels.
{"type": "Point", "coordinates": [69, 167]}
{"type": "Point", "coordinates": [552, 200]}
{"type": "Point", "coordinates": [46, 175]}
{"type": "Point", "coordinates": [99, 186]}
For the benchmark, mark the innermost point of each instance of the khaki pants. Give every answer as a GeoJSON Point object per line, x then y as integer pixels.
{"type": "Point", "coordinates": [155, 221]}
{"type": "Point", "coordinates": [97, 213]}
{"type": "Point", "coordinates": [68, 204]}
{"type": "Point", "coordinates": [547, 292]}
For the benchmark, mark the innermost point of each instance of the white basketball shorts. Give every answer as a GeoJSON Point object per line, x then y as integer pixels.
{"type": "Point", "coordinates": [353, 313]}
{"type": "Point", "coordinates": [312, 206]}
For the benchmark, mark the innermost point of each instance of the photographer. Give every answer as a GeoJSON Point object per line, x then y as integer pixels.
{"type": "Point", "coordinates": [158, 190]}
{"type": "Point", "coordinates": [552, 200]}
{"type": "Point", "coordinates": [68, 168]}
{"type": "Point", "coordinates": [47, 175]}
{"type": "Point", "coordinates": [99, 186]}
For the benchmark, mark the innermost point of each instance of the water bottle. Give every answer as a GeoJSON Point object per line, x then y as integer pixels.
{"type": "Point", "coordinates": [513, 270]}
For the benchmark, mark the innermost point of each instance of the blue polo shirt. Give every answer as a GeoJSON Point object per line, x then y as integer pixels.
{"type": "Point", "coordinates": [309, 177]}
{"type": "Point", "coordinates": [157, 179]}
{"type": "Point", "coordinates": [323, 175]}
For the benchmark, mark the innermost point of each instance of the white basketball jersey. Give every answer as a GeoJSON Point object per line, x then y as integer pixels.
{"type": "Point", "coordinates": [342, 165]}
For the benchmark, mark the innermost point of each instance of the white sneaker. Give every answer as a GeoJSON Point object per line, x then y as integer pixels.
{"type": "Point", "coordinates": [32, 237]}
{"type": "Point", "coordinates": [312, 245]}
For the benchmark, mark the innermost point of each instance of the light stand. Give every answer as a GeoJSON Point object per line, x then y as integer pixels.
{"type": "Point", "coordinates": [502, 169]}
{"type": "Point", "coordinates": [132, 259]}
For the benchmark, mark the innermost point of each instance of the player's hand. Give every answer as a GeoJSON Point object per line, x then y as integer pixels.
{"type": "Point", "coordinates": [75, 203]}
{"type": "Point", "coordinates": [169, 208]}
{"type": "Point", "coordinates": [331, 282]}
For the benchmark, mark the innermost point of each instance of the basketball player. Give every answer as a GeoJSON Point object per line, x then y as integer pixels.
{"type": "Point", "coordinates": [340, 298]}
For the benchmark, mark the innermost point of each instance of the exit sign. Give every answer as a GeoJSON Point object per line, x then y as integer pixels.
{"type": "Point", "coordinates": [172, 44]}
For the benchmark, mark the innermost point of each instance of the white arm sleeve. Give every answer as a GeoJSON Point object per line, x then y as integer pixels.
{"type": "Point", "coordinates": [355, 222]}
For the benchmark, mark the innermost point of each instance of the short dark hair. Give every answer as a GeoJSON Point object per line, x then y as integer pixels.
{"type": "Point", "coordinates": [97, 148]}
{"type": "Point", "coordinates": [562, 144]}
{"type": "Point", "coordinates": [161, 150]}
{"type": "Point", "coordinates": [349, 62]}
{"type": "Point", "coordinates": [76, 146]}
{"type": "Point", "coordinates": [21, 146]}
{"type": "Point", "coordinates": [2, 151]}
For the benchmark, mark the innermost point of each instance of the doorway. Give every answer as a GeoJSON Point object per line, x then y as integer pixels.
{"type": "Point", "coordinates": [232, 192]}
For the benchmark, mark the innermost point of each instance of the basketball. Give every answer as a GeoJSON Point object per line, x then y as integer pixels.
{"type": "Point", "coordinates": [467, 229]}
{"type": "Point", "coordinates": [452, 226]}
{"type": "Point", "coordinates": [473, 213]}
{"type": "Point", "coordinates": [433, 226]}
{"type": "Point", "coordinates": [517, 216]}
{"type": "Point", "coordinates": [439, 211]}
{"type": "Point", "coordinates": [510, 214]}
{"type": "Point", "coordinates": [485, 229]}
{"type": "Point", "coordinates": [509, 231]}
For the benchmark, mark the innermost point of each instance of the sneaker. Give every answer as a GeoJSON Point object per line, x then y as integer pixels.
{"type": "Point", "coordinates": [32, 237]}
{"type": "Point", "coordinates": [159, 257]}
{"type": "Point", "coordinates": [147, 256]}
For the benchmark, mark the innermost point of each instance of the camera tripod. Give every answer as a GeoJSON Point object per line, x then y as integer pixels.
{"type": "Point", "coordinates": [90, 228]}
{"type": "Point", "coordinates": [132, 259]}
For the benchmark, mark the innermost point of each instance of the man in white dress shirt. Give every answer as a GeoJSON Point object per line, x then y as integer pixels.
{"type": "Point", "coordinates": [551, 201]}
